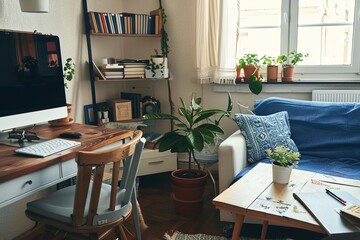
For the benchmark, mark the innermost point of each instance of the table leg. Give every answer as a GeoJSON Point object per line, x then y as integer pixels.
{"type": "Point", "coordinates": [264, 230]}
{"type": "Point", "coordinates": [238, 226]}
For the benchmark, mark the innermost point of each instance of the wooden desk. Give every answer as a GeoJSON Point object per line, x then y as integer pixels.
{"type": "Point", "coordinates": [255, 195]}
{"type": "Point", "coordinates": [22, 175]}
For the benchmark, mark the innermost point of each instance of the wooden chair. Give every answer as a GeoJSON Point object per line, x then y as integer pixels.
{"type": "Point", "coordinates": [92, 208]}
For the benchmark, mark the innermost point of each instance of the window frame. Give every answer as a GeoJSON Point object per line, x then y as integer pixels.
{"type": "Point", "coordinates": [318, 73]}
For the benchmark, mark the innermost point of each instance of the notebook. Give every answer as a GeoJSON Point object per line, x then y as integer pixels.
{"type": "Point", "coordinates": [326, 210]}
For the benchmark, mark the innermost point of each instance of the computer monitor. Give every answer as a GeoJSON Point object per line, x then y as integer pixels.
{"type": "Point", "coordinates": [31, 79]}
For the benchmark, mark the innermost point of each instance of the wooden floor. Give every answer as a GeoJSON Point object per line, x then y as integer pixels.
{"type": "Point", "coordinates": [154, 196]}
{"type": "Point", "coordinates": [159, 214]}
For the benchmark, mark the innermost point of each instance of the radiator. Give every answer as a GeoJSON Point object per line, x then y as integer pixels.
{"type": "Point", "coordinates": [336, 95]}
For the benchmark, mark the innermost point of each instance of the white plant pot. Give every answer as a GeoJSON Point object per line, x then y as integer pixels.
{"type": "Point", "coordinates": [34, 6]}
{"type": "Point", "coordinates": [158, 74]}
{"type": "Point", "coordinates": [281, 174]}
{"type": "Point", "coordinates": [160, 60]}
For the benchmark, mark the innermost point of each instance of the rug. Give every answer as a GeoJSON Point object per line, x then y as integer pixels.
{"type": "Point", "coordinates": [201, 236]}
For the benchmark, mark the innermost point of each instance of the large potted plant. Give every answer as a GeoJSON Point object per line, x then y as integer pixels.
{"type": "Point", "coordinates": [194, 128]}
{"type": "Point", "coordinates": [288, 62]}
{"type": "Point", "coordinates": [283, 161]}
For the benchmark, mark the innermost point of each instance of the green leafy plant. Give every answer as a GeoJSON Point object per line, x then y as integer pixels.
{"type": "Point", "coordinates": [292, 58]}
{"type": "Point", "coordinates": [283, 156]}
{"type": "Point", "coordinates": [193, 128]}
{"type": "Point", "coordinates": [153, 66]}
{"type": "Point", "coordinates": [255, 85]}
{"type": "Point", "coordinates": [164, 36]}
{"type": "Point", "coordinates": [249, 59]}
{"type": "Point", "coordinates": [69, 71]}
{"type": "Point", "coordinates": [267, 60]}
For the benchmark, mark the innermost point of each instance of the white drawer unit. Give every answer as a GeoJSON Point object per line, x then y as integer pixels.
{"type": "Point", "coordinates": [153, 161]}
{"type": "Point", "coordinates": [25, 185]}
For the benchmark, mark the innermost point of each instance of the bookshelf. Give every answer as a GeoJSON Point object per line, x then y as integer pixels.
{"type": "Point", "coordinates": [99, 24]}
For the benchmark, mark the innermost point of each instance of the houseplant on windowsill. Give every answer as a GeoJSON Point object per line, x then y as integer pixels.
{"type": "Point", "coordinates": [288, 62]}
{"type": "Point", "coordinates": [69, 72]}
{"type": "Point", "coordinates": [193, 130]}
{"type": "Point", "coordinates": [250, 64]}
{"type": "Point", "coordinates": [283, 161]}
{"type": "Point", "coordinates": [272, 67]}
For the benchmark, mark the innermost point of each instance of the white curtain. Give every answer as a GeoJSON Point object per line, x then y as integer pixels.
{"type": "Point", "coordinates": [216, 36]}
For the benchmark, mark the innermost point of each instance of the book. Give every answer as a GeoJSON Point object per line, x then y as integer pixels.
{"type": "Point", "coordinates": [325, 209]}
{"type": "Point", "coordinates": [135, 99]}
{"type": "Point", "coordinates": [98, 72]}
{"type": "Point", "coordinates": [351, 212]}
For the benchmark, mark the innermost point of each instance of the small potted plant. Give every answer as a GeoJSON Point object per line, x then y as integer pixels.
{"type": "Point", "coordinates": [193, 129]}
{"type": "Point", "coordinates": [283, 161]}
{"type": "Point", "coordinates": [288, 62]}
{"type": "Point", "coordinates": [68, 75]}
{"type": "Point", "coordinates": [271, 67]}
{"type": "Point", "coordinates": [250, 64]}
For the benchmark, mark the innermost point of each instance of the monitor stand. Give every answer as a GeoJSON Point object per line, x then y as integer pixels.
{"type": "Point", "coordinates": [19, 138]}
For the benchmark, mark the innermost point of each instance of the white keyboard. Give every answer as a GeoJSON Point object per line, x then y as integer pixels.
{"type": "Point", "coordinates": [46, 148]}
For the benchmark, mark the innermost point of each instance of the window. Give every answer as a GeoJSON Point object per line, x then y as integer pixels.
{"type": "Point", "coordinates": [326, 29]}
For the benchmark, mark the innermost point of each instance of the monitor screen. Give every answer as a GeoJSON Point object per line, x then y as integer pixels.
{"type": "Point", "coordinates": [31, 79]}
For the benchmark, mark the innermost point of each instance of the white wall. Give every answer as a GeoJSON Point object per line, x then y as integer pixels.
{"type": "Point", "coordinates": [65, 19]}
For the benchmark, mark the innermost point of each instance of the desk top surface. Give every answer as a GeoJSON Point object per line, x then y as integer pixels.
{"type": "Point", "coordinates": [14, 165]}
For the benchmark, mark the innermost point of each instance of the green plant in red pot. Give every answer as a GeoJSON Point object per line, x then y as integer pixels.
{"type": "Point", "coordinates": [194, 127]}
{"type": "Point", "coordinates": [250, 63]}
{"type": "Point", "coordinates": [288, 62]}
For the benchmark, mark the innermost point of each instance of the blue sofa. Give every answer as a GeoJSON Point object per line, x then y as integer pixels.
{"type": "Point", "coordinates": [326, 134]}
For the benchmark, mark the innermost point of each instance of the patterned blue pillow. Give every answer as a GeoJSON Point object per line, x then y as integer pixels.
{"type": "Point", "coordinates": [264, 132]}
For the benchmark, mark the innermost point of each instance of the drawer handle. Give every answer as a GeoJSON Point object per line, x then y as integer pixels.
{"type": "Point", "coordinates": [157, 162]}
{"type": "Point", "coordinates": [28, 182]}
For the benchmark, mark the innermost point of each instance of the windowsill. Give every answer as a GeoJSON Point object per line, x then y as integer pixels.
{"type": "Point", "coordinates": [289, 87]}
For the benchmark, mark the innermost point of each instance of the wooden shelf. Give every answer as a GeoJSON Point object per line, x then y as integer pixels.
{"type": "Point", "coordinates": [127, 79]}
{"type": "Point", "coordinates": [124, 35]}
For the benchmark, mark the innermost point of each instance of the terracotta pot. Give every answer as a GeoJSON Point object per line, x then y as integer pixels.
{"type": "Point", "coordinates": [188, 192]}
{"type": "Point", "coordinates": [250, 70]}
{"type": "Point", "coordinates": [272, 73]}
{"type": "Point", "coordinates": [287, 74]}
{"type": "Point", "coordinates": [187, 208]}
{"type": "Point", "coordinates": [281, 174]}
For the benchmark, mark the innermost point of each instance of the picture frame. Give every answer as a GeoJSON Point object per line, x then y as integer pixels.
{"type": "Point", "coordinates": [89, 112]}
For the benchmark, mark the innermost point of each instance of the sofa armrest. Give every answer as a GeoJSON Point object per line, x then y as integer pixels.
{"type": "Point", "coordinates": [232, 159]}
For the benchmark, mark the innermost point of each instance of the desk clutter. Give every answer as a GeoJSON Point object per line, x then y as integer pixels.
{"type": "Point", "coordinates": [130, 107]}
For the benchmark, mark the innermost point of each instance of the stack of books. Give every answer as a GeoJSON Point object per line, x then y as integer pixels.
{"type": "Point", "coordinates": [112, 71]}
{"type": "Point", "coordinates": [134, 68]}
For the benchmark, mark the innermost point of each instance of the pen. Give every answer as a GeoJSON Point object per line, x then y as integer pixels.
{"type": "Point", "coordinates": [342, 201]}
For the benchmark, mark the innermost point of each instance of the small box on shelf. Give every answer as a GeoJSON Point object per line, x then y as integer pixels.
{"type": "Point", "coordinates": [121, 109]}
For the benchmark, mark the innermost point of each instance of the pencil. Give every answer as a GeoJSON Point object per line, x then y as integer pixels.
{"type": "Point", "coordinates": [339, 199]}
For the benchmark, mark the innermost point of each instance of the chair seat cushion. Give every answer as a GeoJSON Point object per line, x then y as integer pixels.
{"type": "Point", "coordinates": [59, 205]}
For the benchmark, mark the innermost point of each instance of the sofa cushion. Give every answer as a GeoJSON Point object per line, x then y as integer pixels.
{"type": "Point", "coordinates": [264, 132]}
{"type": "Point", "coordinates": [319, 129]}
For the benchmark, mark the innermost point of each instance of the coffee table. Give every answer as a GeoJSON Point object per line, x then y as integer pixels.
{"type": "Point", "coordinates": [256, 196]}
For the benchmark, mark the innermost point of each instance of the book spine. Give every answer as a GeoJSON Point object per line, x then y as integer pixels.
{"type": "Point", "coordinates": [115, 23]}
{"type": "Point", "coordinates": [103, 23]}
{"type": "Point", "coordinates": [98, 22]}
{"type": "Point", "coordinates": [107, 22]}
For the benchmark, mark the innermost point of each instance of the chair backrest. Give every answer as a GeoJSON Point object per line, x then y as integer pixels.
{"type": "Point", "coordinates": [98, 203]}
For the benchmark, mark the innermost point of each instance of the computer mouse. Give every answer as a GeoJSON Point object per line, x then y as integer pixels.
{"type": "Point", "coordinates": [70, 135]}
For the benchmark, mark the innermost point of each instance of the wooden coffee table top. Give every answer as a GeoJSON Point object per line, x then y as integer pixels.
{"type": "Point", "coordinates": [255, 195]}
